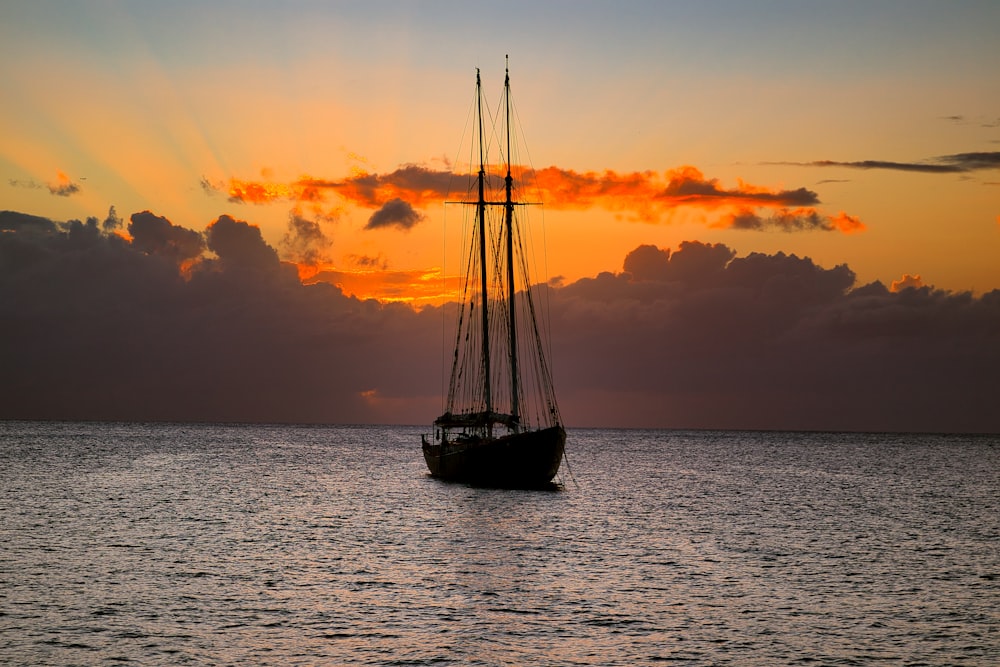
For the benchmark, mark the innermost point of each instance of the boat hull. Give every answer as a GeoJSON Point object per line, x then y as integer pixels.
{"type": "Point", "coordinates": [522, 460]}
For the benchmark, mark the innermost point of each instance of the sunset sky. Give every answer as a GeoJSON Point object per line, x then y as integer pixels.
{"type": "Point", "coordinates": [844, 133]}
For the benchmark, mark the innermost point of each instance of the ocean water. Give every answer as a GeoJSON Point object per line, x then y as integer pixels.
{"type": "Point", "coordinates": [199, 544]}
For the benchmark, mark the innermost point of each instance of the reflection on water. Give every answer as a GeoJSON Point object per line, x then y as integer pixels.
{"type": "Point", "coordinates": [258, 545]}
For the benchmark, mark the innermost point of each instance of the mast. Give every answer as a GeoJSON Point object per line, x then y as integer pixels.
{"type": "Point", "coordinates": [484, 286]}
{"type": "Point", "coordinates": [509, 218]}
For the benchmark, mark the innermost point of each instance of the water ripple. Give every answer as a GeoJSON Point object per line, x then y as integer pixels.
{"type": "Point", "coordinates": [254, 545]}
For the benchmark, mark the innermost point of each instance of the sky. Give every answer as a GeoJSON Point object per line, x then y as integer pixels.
{"type": "Point", "coordinates": [755, 215]}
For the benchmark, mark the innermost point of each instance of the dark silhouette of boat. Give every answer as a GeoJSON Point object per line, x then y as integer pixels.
{"type": "Point", "coordinates": [501, 426]}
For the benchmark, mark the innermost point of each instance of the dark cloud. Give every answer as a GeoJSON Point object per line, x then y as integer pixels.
{"type": "Point", "coordinates": [63, 189]}
{"type": "Point", "coordinates": [369, 262]}
{"type": "Point", "coordinates": [394, 213]}
{"type": "Point", "coordinates": [113, 222]}
{"type": "Point", "coordinates": [305, 242]}
{"type": "Point", "coordinates": [924, 167]}
{"type": "Point", "coordinates": [787, 221]}
{"type": "Point", "coordinates": [699, 337]}
{"type": "Point", "coordinates": [208, 187]}
{"type": "Point", "coordinates": [240, 245]}
{"type": "Point", "coordinates": [693, 263]}
{"type": "Point", "coordinates": [687, 187]}
{"type": "Point", "coordinates": [25, 224]}
{"type": "Point", "coordinates": [95, 328]}
{"type": "Point", "coordinates": [99, 326]}
{"type": "Point", "coordinates": [28, 185]}
{"type": "Point", "coordinates": [974, 161]}
{"type": "Point", "coordinates": [155, 235]}
{"type": "Point", "coordinates": [945, 164]}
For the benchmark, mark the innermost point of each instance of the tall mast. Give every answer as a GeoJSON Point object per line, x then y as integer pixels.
{"type": "Point", "coordinates": [509, 211]}
{"type": "Point", "coordinates": [481, 213]}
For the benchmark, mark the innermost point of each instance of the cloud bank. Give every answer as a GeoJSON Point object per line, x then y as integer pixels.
{"type": "Point", "coordinates": [99, 326]}
{"type": "Point", "coordinates": [169, 323]}
{"type": "Point", "coordinates": [644, 196]}
{"type": "Point", "coordinates": [702, 337]}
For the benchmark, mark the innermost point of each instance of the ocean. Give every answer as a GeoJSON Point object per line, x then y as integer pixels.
{"type": "Point", "coordinates": [211, 544]}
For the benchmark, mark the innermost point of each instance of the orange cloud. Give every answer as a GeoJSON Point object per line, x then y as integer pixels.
{"type": "Point", "coordinates": [648, 195]}
{"type": "Point", "coordinates": [562, 188]}
{"type": "Point", "coordinates": [848, 224]}
{"type": "Point", "coordinates": [255, 192]}
{"type": "Point", "coordinates": [906, 281]}
{"type": "Point", "coordinates": [687, 185]}
{"type": "Point", "coordinates": [63, 186]}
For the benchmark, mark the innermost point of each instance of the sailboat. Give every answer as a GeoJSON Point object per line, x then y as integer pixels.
{"type": "Point", "coordinates": [501, 425]}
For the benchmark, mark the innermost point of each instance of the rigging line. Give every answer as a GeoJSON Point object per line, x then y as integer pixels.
{"type": "Point", "coordinates": [548, 288]}
{"type": "Point", "coordinates": [549, 391]}
{"type": "Point", "coordinates": [459, 364]}
{"type": "Point", "coordinates": [511, 287]}
{"type": "Point", "coordinates": [544, 230]}
{"type": "Point", "coordinates": [543, 382]}
{"type": "Point", "coordinates": [444, 292]}
{"type": "Point", "coordinates": [456, 371]}
{"type": "Point", "coordinates": [481, 226]}
{"type": "Point", "coordinates": [569, 469]}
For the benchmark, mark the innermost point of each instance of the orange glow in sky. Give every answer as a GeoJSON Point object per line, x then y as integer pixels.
{"type": "Point", "coordinates": [414, 287]}
{"type": "Point", "coordinates": [683, 127]}
{"type": "Point", "coordinates": [732, 206]}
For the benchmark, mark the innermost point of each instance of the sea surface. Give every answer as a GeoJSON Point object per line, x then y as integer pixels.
{"type": "Point", "coordinates": [193, 544]}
